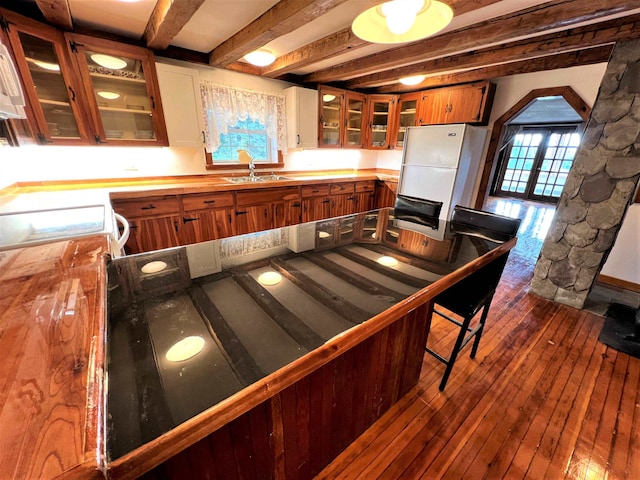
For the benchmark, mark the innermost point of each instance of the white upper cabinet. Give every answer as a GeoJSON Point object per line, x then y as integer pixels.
{"type": "Point", "coordinates": [180, 92]}
{"type": "Point", "coordinates": [302, 117]}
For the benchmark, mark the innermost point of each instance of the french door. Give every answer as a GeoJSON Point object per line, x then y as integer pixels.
{"type": "Point", "coordinates": [535, 163]}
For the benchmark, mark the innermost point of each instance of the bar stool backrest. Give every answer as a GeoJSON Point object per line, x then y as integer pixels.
{"type": "Point", "coordinates": [485, 220]}
{"type": "Point", "coordinates": [418, 207]}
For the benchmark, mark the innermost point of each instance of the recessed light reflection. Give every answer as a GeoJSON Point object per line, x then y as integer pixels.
{"type": "Point", "coordinates": [270, 278]}
{"type": "Point", "coordinates": [185, 349]}
{"type": "Point", "coordinates": [108, 95]}
{"type": "Point", "coordinates": [323, 234]}
{"type": "Point", "coordinates": [388, 261]}
{"type": "Point", "coordinates": [108, 61]}
{"type": "Point", "coordinates": [54, 67]}
{"type": "Point", "coordinates": [327, 97]}
{"type": "Point", "coordinates": [153, 267]}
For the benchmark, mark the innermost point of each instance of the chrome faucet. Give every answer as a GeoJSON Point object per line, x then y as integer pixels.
{"type": "Point", "coordinates": [252, 168]}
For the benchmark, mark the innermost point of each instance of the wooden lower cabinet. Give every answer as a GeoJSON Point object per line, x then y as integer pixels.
{"type": "Point", "coordinates": [155, 233]}
{"type": "Point", "coordinates": [385, 194]}
{"type": "Point", "coordinates": [316, 208]}
{"type": "Point", "coordinates": [262, 209]}
{"type": "Point", "coordinates": [205, 225]}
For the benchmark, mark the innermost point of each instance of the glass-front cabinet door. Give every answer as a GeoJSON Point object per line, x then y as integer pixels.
{"type": "Point", "coordinates": [381, 111]}
{"type": "Point", "coordinates": [406, 116]}
{"type": "Point", "coordinates": [122, 89]}
{"type": "Point", "coordinates": [50, 83]}
{"type": "Point", "coordinates": [331, 117]}
{"type": "Point", "coordinates": [356, 104]}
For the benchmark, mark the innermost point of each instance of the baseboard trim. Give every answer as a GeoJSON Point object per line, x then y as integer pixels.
{"type": "Point", "coordinates": [616, 282]}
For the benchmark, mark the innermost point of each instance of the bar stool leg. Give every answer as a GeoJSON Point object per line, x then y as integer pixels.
{"type": "Point", "coordinates": [483, 318]}
{"type": "Point", "coordinates": [454, 353]}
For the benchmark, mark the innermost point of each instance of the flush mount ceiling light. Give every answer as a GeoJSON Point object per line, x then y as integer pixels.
{"type": "Point", "coordinates": [108, 95]}
{"type": "Point", "coordinates": [327, 97]}
{"type": "Point", "coordinates": [260, 58]}
{"type": "Point", "coordinates": [413, 80]}
{"type": "Point", "coordinates": [401, 21]}
{"type": "Point", "coordinates": [107, 61]}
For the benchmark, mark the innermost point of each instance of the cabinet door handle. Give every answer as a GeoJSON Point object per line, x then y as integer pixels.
{"type": "Point", "coordinates": [297, 205]}
{"type": "Point", "coordinates": [298, 141]}
{"type": "Point", "coordinates": [242, 213]}
{"type": "Point", "coordinates": [153, 103]}
{"type": "Point", "coordinates": [148, 207]}
{"type": "Point", "coordinates": [187, 220]}
{"type": "Point", "coordinates": [204, 139]}
{"type": "Point", "coordinates": [73, 94]}
{"type": "Point", "coordinates": [326, 201]}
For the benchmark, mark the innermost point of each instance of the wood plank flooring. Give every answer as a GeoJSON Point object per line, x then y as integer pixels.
{"type": "Point", "coordinates": [544, 399]}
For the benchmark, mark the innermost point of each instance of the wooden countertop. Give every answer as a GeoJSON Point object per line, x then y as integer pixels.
{"type": "Point", "coordinates": [52, 301]}
{"type": "Point", "coordinates": [176, 185]}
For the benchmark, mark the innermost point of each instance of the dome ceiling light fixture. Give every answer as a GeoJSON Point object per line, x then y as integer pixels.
{"type": "Point", "coordinates": [260, 58]}
{"type": "Point", "coordinates": [107, 61]}
{"type": "Point", "coordinates": [412, 80]}
{"type": "Point", "coordinates": [400, 21]}
{"type": "Point", "coordinates": [327, 97]}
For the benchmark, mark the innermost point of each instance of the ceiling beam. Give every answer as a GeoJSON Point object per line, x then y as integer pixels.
{"type": "Point", "coordinates": [528, 22]}
{"type": "Point", "coordinates": [343, 40]}
{"type": "Point", "coordinates": [587, 56]}
{"type": "Point", "coordinates": [56, 12]}
{"type": "Point", "coordinates": [592, 35]}
{"type": "Point", "coordinates": [284, 17]}
{"type": "Point", "coordinates": [167, 19]}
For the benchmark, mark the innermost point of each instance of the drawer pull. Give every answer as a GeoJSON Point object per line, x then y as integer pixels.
{"type": "Point", "coordinates": [187, 220]}
{"type": "Point", "coordinates": [209, 201]}
{"type": "Point", "coordinates": [242, 213]}
{"type": "Point", "coordinates": [148, 207]}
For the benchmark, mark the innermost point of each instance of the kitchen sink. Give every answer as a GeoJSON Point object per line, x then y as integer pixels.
{"type": "Point", "coordinates": [257, 178]}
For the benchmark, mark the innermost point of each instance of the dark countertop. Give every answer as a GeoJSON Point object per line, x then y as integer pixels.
{"type": "Point", "coordinates": [333, 281]}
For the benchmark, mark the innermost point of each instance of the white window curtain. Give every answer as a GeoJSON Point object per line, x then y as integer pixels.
{"type": "Point", "coordinates": [224, 106]}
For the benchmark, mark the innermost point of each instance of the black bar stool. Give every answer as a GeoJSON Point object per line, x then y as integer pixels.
{"type": "Point", "coordinates": [474, 293]}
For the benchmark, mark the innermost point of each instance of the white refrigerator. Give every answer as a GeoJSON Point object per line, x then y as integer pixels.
{"type": "Point", "coordinates": [440, 163]}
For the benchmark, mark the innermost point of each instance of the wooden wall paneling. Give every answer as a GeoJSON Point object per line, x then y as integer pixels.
{"type": "Point", "coordinates": [321, 416]}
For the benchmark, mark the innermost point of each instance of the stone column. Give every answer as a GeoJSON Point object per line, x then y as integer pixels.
{"type": "Point", "coordinates": [599, 188]}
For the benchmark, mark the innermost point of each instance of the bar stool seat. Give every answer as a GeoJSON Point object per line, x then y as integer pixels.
{"type": "Point", "coordinates": [474, 293]}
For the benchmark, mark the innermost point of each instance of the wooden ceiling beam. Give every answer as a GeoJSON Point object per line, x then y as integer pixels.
{"type": "Point", "coordinates": [576, 58]}
{"type": "Point", "coordinates": [56, 12]}
{"type": "Point", "coordinates": [342, 41]}
{"type": "Point", "coordinates": [528, 22]}
{"type": "Point", "coordinates": [167, 19]}
{"type": "Point", "coordinates": [592, 35]}
{"type": "Point", "coordinates": [284, 17]}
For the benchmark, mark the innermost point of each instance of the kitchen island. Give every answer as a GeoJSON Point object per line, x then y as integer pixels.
{"type": "Point", "coordinates": [278, 375]}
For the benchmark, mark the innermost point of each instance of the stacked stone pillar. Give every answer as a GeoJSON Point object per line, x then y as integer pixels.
{"type": "Point", "coordinates": [599, 188]}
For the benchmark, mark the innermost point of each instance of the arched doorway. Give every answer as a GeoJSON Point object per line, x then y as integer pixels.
{"type": "Point", "coordinates": [501, 130]}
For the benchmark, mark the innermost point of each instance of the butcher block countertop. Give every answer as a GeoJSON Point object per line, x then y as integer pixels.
{"type": "Point", "coordinates": [176, 185]}
{"type": "Point", "coordinates": [52, 301]}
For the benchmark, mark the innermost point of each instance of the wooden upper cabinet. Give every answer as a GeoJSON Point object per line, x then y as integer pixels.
{"type": "Point", "coordinates": [407, 115]}
{"type": "Point", "coordinates": [331, 109]}
{"type": "Point", "coordinates": [381, 116]}
{"type": "Point", "coordinates": [122, 90]}
{"type": "Point", "coordinates": [464, 104]}
{"type": "Point", "coordinates": [56, 107]}
{"type": "Point", "coordinates": [355, 120]}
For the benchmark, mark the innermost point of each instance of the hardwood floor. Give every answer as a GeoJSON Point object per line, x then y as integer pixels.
{"type": "Point", "coordinates": [543, 398]}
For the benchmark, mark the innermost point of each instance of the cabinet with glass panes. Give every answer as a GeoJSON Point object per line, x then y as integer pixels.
{"type": "Point", "coordinates": [56, 108]}
{"type": "Point", "coordinates": [406, 115]}
{"type": "Point", "coordinates": [122, 90]}
{"type": "Point", "coordinates": [381, 114]}
{"type": "Point", "coordinates": [330, 131]}
{"type": "Point", "coordinates": [356, 104]}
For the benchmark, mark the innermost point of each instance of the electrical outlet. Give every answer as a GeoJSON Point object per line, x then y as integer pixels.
{"type": "Point", "coordinates": [203, 258]}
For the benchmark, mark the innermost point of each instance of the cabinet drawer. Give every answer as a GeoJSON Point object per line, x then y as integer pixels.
{"type": "Point", "coordinates": [309, 191]}
{"type": "Point", "coordinates": [145, 207]}
{"type": "Point", "coordinates": [339, 188]}
{"type": "Point", "coordinates": [207, 200]}
{"type": "Point", "coordinates": [266, 195]}
{"type": "Point", "coordinates": [363, 187]}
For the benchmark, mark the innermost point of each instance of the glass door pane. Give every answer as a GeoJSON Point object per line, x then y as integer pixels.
{"type": "Point", "coordinates": [407, 118]}
{"type": "Point", "coordinates": [558, 159]}
{"type": "Point", "coordinates": [120, 91]}
{"type": "Point", "coordinates": [51, 90]}
{"type": "Point", "coordinates": [379, 123]}
{"type": "Point", "coordinates": [355, 109]}
{"type": "Point", "coordinates": [520, 163]}
{"type": "Point", "coordinates": [331, 109]}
